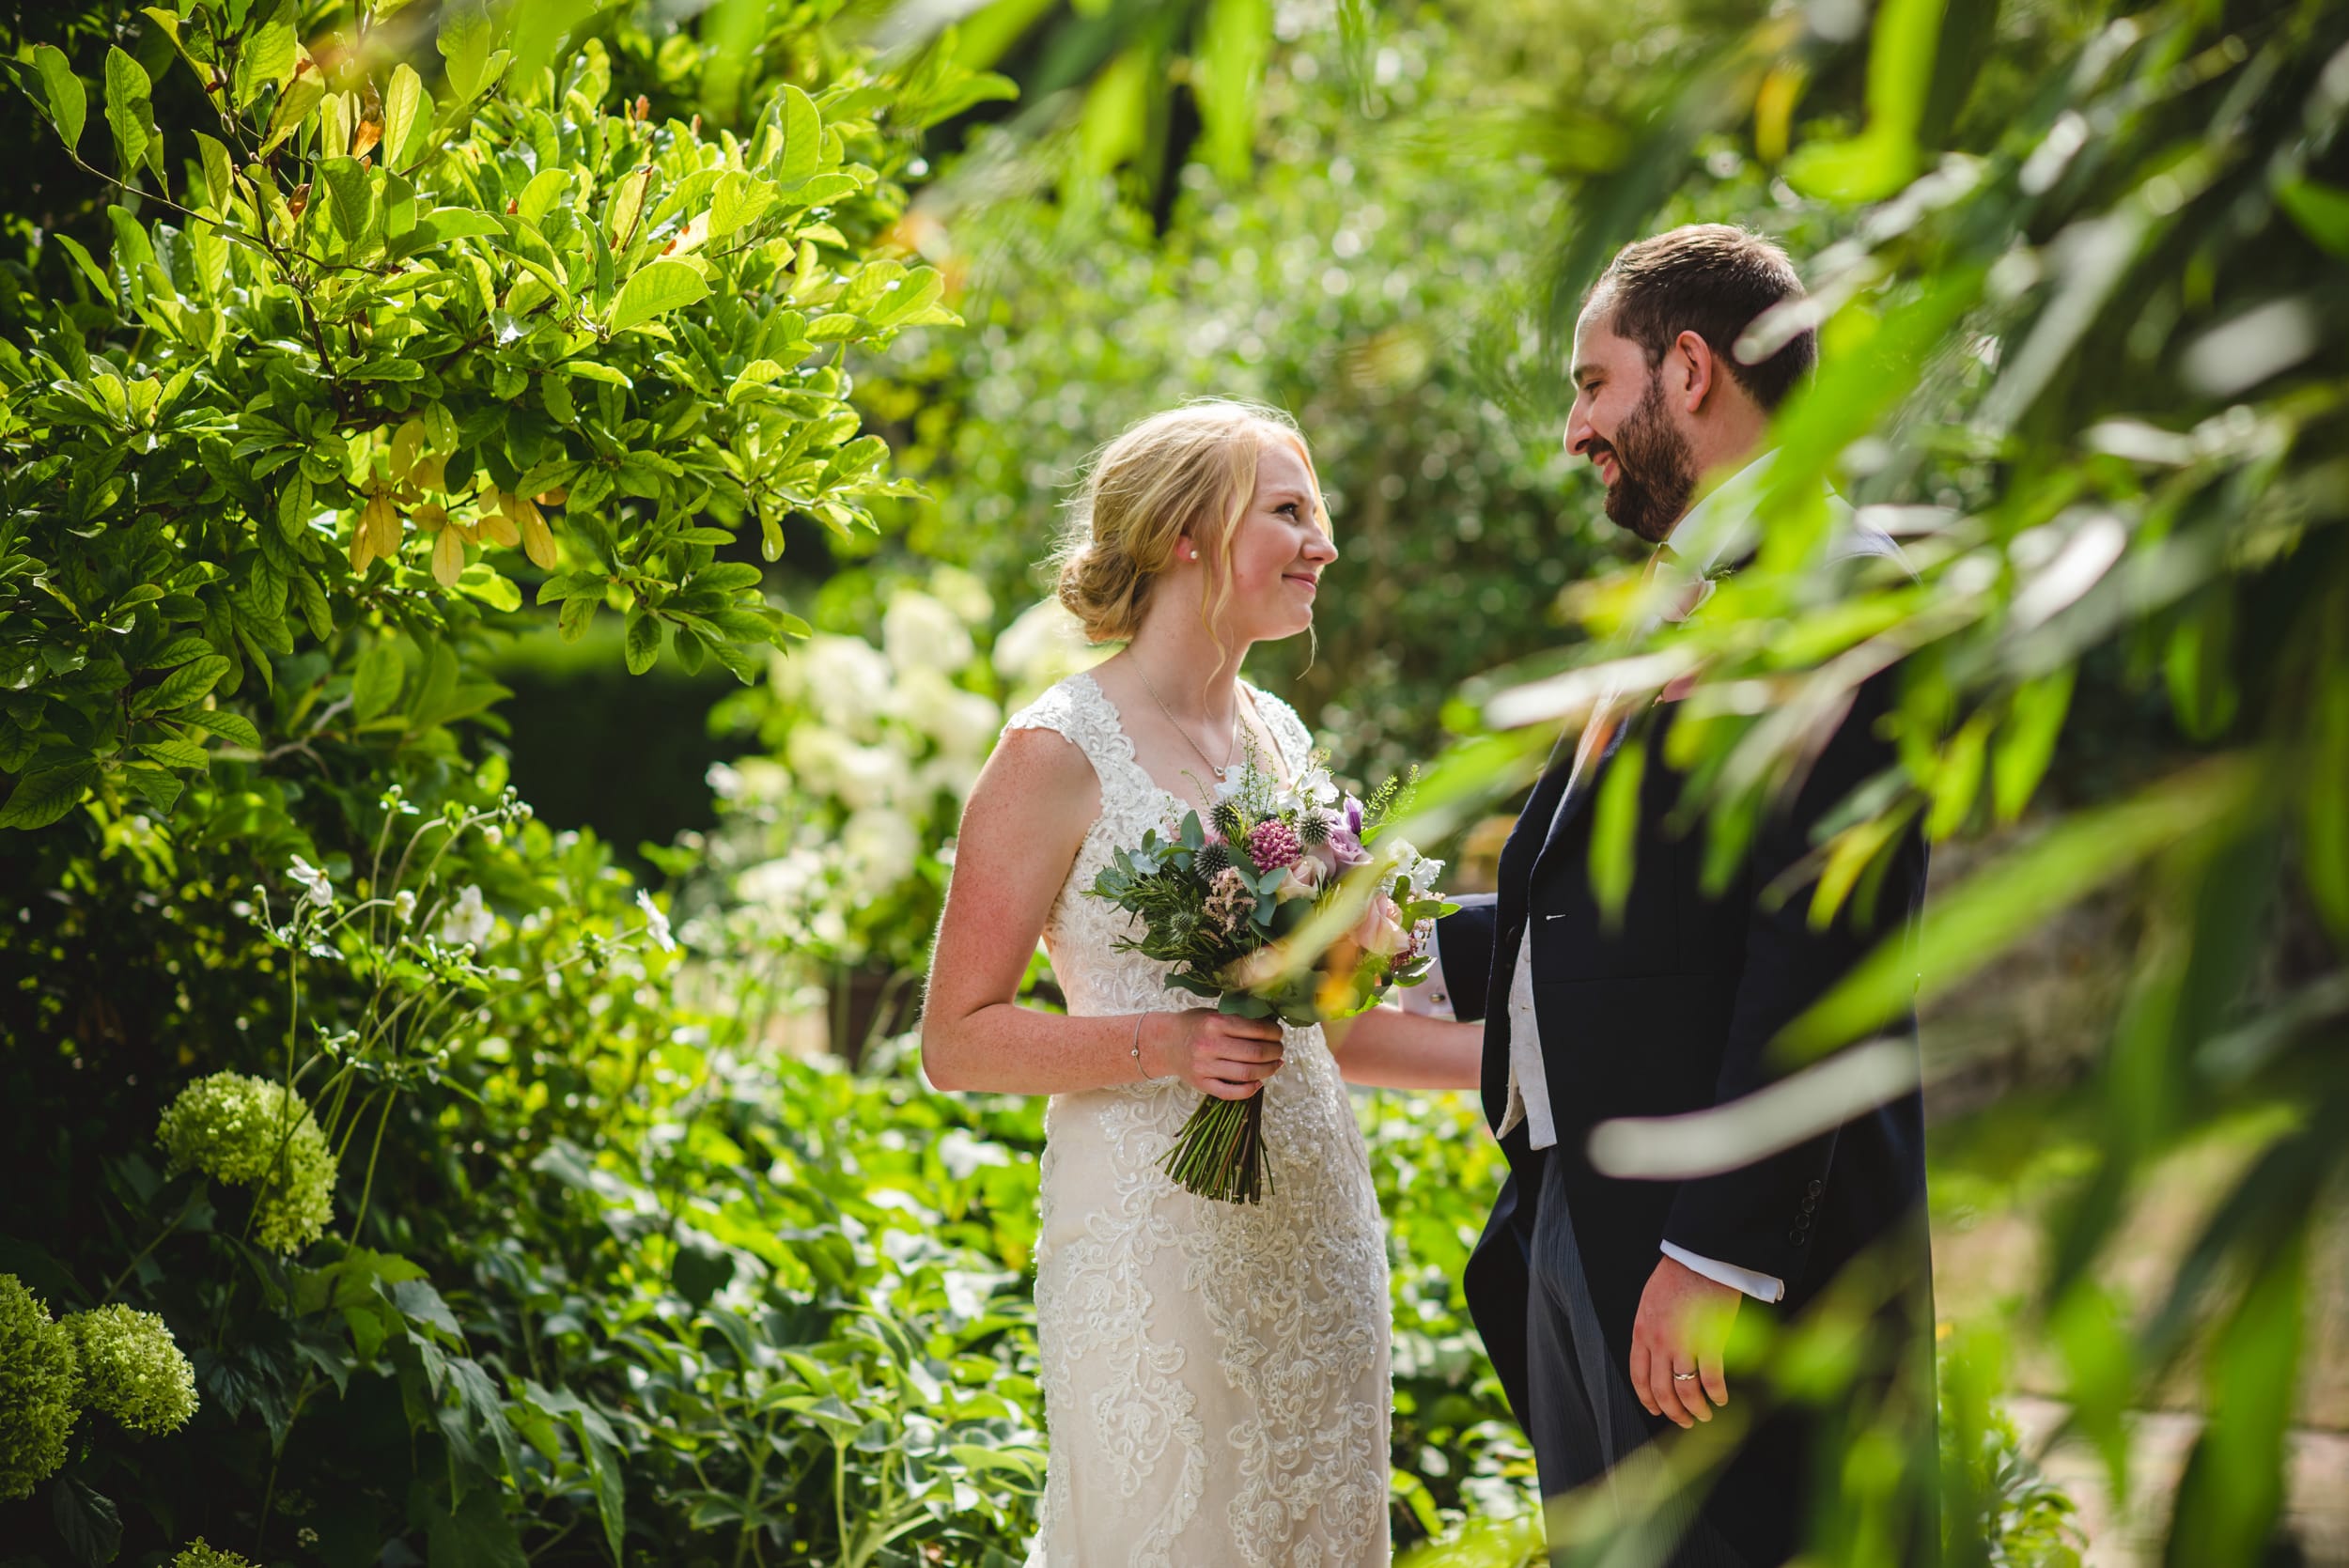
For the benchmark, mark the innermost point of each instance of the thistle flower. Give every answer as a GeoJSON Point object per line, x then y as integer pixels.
{"type": "Point", "coordinates": [247, 1132]}
{"type": "Point", "coordinates": [1274, 843]}
{"type": "Point", "coordinates": [38, 1382]}
{"type": "Point", "coordinates": [1229, 823]}
{"type": "Point", "coordinates": [197, 1554]}
{"type": "Point", "coordinates": [1211, 861]}
{"type": "Point", "coordinates": [1312, 828]}
{"type": "Point", "coordinates": [133, 1370]}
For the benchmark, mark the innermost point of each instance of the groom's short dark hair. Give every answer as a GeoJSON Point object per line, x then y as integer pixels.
{"type": "Point", "coordinates": [1714, 280]}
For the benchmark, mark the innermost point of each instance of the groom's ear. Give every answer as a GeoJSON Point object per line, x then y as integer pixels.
{"type": "Point", "coordinates": [1690, 363]}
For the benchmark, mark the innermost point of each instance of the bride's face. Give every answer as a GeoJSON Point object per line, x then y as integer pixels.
{"type": "Point", "coordinates": [1278, 551]}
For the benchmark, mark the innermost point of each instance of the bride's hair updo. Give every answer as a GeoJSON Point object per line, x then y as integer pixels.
{"type": "Point", "coordinates": [1189, 470]}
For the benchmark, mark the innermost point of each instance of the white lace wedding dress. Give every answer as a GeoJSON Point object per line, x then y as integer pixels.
{"type": "Point", "coordinates": [1215, 1375]}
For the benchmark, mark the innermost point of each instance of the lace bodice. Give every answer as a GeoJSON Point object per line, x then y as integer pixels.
{"type": "Point", "coordinates": [1215, 1375]}
{"type": "Point", "coordinates": [1082, 930]}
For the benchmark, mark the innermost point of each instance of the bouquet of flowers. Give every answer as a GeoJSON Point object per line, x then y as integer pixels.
{"type": "Point", "coordinates": [1285, 903]}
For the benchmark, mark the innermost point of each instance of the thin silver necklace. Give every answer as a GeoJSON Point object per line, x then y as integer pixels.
{"type": "Point", "coordinates": [1228, 750]}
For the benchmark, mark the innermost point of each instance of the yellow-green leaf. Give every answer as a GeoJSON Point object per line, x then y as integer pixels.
{"type": "Point", "coordinates": [131, 112]}
{"type": "Point", "coordinates": [68, 105]}
{"type": "Point", "coordinates": [400, 102]}
{"type": "Point", "coordinates": [655, 291]}
{"type": "Point", "coordinates": [266, 56]}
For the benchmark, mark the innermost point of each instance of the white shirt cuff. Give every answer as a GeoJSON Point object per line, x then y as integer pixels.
{"type": "Point", "coordinates": [1431, 998]}
{"type": "Point", "coordinates": [1761, 1287]}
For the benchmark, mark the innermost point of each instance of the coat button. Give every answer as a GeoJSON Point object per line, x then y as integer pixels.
{"type": "Point", "coordinates": [1816, 1189]}
{"type": "Point", "coordinates": [1796, 1235]}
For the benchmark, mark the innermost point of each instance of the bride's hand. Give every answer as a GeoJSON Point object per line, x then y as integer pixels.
{"type": "Point", "coordinates": [1214, 1052]}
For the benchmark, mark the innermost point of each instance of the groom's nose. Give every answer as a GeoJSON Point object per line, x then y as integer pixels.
{"type": "Point", "coordinates": [1578, 431]}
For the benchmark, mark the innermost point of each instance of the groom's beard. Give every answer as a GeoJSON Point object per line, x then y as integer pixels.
{"type": "Point", "coordinates": [1655, 474]}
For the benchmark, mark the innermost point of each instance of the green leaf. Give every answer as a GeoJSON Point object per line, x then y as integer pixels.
{"type": "Point", "coordinates": [89, 1522]}
{"type": "Point", "coordinates": [1614, 830]}
{"type": "Point", "coordinates": [375, 686]}
{"type": "Point", "coordinates": [491, 587]}
{"type": "Point", "coordinates": [220, 184]}
{"type": "Point", "coordinates": [189, 683]}
{"type": "Point", "coordinates": [295, 106]}
{"type": "Point", "coordinates": [1237, 36]}
{"type": "Point", "coordinates": [69, 104]}
{"type": "Point", "coordinates": [39, 798]}
{"type": "Point", "coordinates": [538, 197]}
{"type": "Point", "coordinates": [266, 56]}
{"type": "Point", "coordinates": [401, 100]}
{"type": "Point", "coordinates": [464, 43]}
{"type": "Point", "coordinates": [2006, 901]}
{"type": "Point", "coordinates": [2321, 210]}
{"type": "Point", "coordinates": [2024, 748]}
{"type": "Point", "coordinates": [657, 290]}
{"type": "Point", "coordinates": [802, 135]}
{"type": "Point", "coordinates": [643, 640]}
{"type": "Point", "coordinates": [228, 724]}
{"type": "Point", "coordinates": [131, 112]}
{"type": "Point", "coordinates": [443, 224]}
{"type": "Point", "coordinates": [350, 198]}
{"type": "Point", "coordinates": [737, 203]}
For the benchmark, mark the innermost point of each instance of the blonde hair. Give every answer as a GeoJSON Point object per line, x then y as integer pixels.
{"type": "Point", "coordinates": [1188, 470]}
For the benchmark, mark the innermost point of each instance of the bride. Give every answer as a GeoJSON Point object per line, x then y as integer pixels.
{"type": "Point", "coordinates": [1215, 1375]}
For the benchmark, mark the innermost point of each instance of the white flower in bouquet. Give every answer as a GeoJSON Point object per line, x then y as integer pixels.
{"type": "Point", "coordinates": [919, 633]}
{"type": "Point", "coordinates": [1313, 790]}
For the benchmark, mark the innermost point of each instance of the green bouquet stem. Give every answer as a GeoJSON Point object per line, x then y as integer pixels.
{"type": "Point", "coordinates": [1220, 1153]}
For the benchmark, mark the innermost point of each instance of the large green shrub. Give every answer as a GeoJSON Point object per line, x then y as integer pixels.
{"type": "Point", "coordinates": [355, 348]}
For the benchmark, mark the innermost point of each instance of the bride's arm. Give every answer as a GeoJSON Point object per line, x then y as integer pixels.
{"type": "Point", "coordinates": [1389, 1048]}
{"type": "Point", "coordinates": [1027, 817]}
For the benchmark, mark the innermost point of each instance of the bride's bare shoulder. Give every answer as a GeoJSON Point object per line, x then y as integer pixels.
{"type": "Point", "coordinates": [1037, 774]}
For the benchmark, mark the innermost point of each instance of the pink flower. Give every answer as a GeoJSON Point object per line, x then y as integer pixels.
{"type": "Point", "coordinates": [1304, 878]}
{"type": "Point", "coordinates": [1380, 929]}
{"type": "Point", "coordinates": [1272, 843]}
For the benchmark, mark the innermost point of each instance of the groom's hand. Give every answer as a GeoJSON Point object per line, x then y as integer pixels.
{"type": "Point", "coordinates": [1682, 1323]}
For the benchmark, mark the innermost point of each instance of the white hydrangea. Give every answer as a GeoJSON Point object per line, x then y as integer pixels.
{"type": "Point", "coordinates": [963, 724]}
{"type": "Point", "coordinates": [784, 882]}
{"type": "Point", "coordinates": [919, 633]}
{"type": "Point", "coordinates": [1043, 646]}
{"type": "Point", "coordinates": [845, 680]}
{"type": "Point", "coordinates": [963, 593]}
{"type": "Point", "coordinates": [879, 849]}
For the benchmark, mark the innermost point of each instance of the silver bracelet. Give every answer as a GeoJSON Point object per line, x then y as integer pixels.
{"type": "Point", "coordinates": [1134, 1049]}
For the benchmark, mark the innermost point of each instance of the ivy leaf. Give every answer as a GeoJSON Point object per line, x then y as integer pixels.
{"type": "Point", "coordinates": [68, 105]}
{"type": "Point", "coordinates": [39, 798]}
{"type": "Point", "coordinates": [267, 55]}
{"type": "Point", "coordinates": [131, 110]}
{"type": "Point", "coordinates": [656, 290]}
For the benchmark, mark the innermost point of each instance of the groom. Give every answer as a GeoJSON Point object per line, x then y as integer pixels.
{"type": "Point", "coordinates": [1602, 1300]}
